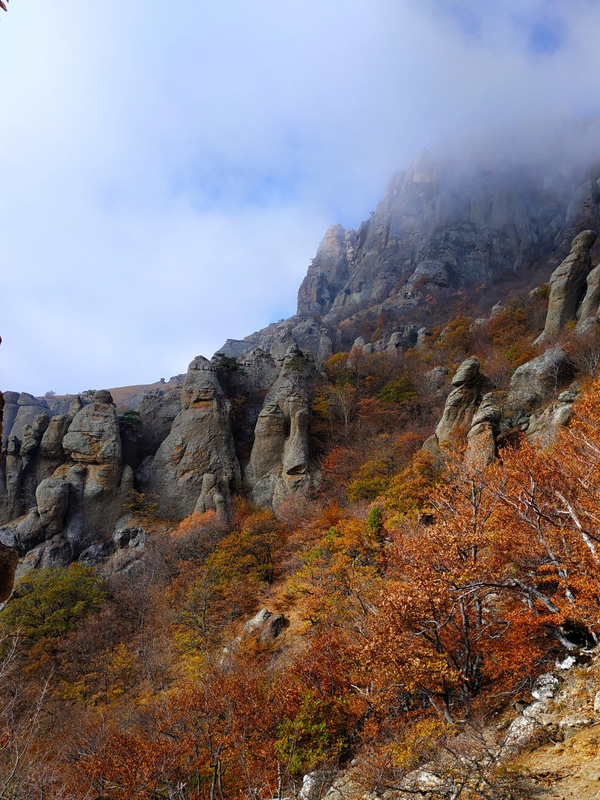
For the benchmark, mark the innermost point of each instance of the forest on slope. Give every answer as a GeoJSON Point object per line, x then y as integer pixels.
{"type": "Point", "coordinates": [385, 622]}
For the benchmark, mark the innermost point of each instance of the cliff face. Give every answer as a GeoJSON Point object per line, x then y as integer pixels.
{"type": "Point", "coordinates": [436, 229]}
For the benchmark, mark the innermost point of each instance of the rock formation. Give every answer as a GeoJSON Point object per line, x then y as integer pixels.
{"type": "Point", "coordinates": [200, 443]}
{"type": "Point", "coordinates": [483, 434]}
{"type": "Point", "coordinates": [461, 406]}
{"type": "Point", "coordinates": [265, 626]}
{"type": "Point", "coordinates": [542, 429]}
{"type": "Point", "coordinates": [66, 469]}
{"type": "Point", "coordinates": [83, 496]}
{"type": "Point", "coordinates": [537, 381]}
{"type": "Point", "coordinates": [280, 459]}
{"type": "Point", "coordinates": [568, 286]}
{"type": "Point", "coordinates": [438, 229]}
{"type": "Point", "coordinates": [328, 272]}
{"type": "Point", "coordinates": [21, 409]}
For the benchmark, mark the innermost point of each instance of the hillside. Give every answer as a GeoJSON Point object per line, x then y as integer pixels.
{"type": "Point", "coordinates": [354, 554]}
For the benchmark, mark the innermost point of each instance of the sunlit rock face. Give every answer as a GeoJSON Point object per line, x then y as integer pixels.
{"type": "Point", "coordinates": [78, 482]}
{"type": "Point", "coordinates": [200, 442]}
{"type": "Point", "coordinates": [280, 463]}
{"type": "Point", "coordinates": [569, 287]}
{"type": "Point", "coordinates": [469, 409]}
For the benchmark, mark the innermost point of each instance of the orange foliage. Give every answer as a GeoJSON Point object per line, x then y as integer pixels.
{"type": "Point", "coordinates": [194, 523]}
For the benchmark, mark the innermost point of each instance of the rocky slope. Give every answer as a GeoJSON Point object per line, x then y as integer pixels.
{"type": "Point", "coordinates": [242, 420]}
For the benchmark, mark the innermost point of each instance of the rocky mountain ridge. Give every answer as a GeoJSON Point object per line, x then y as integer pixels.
{"type": "Point", "coordinates": [242, 421]}
{"type": "Point", "coordinates": [437, 232]}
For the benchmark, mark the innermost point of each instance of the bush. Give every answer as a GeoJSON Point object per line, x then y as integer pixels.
{"type": "Point", "coordinates": [399, 391]}
{"type": "Point", "coordinates": [52, 602]}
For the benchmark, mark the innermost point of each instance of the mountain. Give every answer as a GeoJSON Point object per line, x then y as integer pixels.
{"type": "Point", "coordinates": [442, 232]}
{"type": "Point", "coordinates": [446, 239]}
{"type": "Point", "coordinates": [353, 554]}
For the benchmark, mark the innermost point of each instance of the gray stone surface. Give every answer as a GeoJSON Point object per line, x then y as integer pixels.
{"type": "Point", "coordinates": [200, 442]}
{"type": "Point", "coordinates": [280, 460]}
{"type": "Point", "coordinates": [93, 436]}
{"type": "Point", "coordinates": [539, 380]}
{"type": "Point", "coordinates": [463, 401]}
{"type": "Point", "coordinates": [266, 626]}
{"type": "Point", "coordinates": [27, 408]}
{"type": "Point", "coordinates": [328, 272]}
{"type": "Point", "coordinates": [52, 496]}
{"type": "Point", "coordinates": [483, 434]}
{"type": "Point", "coordinates": [591, 301]}
{"type": "Point", "coordinates": [568, 285]}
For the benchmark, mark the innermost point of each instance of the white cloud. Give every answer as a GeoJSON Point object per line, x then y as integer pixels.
{"type": "Point", "coordinates": [167, 172]}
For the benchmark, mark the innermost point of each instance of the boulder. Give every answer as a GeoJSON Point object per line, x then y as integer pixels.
{"type": "Point", "coordinates": [542, 429]}
{"type": "Point", "coordinates": [536, 381]}
{"type": "Point", "coordinates": [265, 626]}
{"type": "Point", "coordinates": [93, 435]}
{"type": "Point", "coordinates": [51, 453]}
{"type": "Point", "coordinates": [52, 496]}
{"type": "Point", "coordinates": [29, 532]}
{"type": "Point", "coordinates": [482, 437]}
{"type": "Point", "coordinates": [403, 339]}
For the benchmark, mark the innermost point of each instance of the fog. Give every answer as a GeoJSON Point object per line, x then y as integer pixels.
{"type": "Point", "coordinates": [169, 171]}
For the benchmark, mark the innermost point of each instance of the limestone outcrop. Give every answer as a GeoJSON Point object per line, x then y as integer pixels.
{"type": "Point", "coordinates": [328, 272]}
{"type": "Point", "coordinates": [437, 235]}
{"type": "Point", "coordinates": [200, 443]}
{"type": "Point", "coordinates": [591, 301]}
{"type": "Point", "coordinates": [538, 380]}
{"type": "Point", "coordinates": [157, 413]}
{"type": "Point", "coordinates": [74, 502]}
{"type": "Point", "coordinates": [435, 230]}
{"type": "Point", "coordinates": [266, 626]}
{"type": "Point", "coordinates": [20, 411]}
{"type": "Point", "coordinates": [483, 434]}
{"type": "Point", "coordinates": [310, 336]}
{"type": "Point", "coordinates": [470, 386]}
{"type": "Point", "coordinates": [438, 229]}
{"type": "Point", "coordinates": [542, 429]}
{"type": "Point", "coordinates": [280, 458]}
{"type": "Point", "coordinates": [568, 284]}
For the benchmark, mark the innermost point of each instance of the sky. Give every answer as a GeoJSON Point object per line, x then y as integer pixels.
{"type": "Point", "coordinates": [167, 171]}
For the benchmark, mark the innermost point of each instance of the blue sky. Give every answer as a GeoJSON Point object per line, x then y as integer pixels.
{"type": "Point", "coordinates": [169, 170]}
